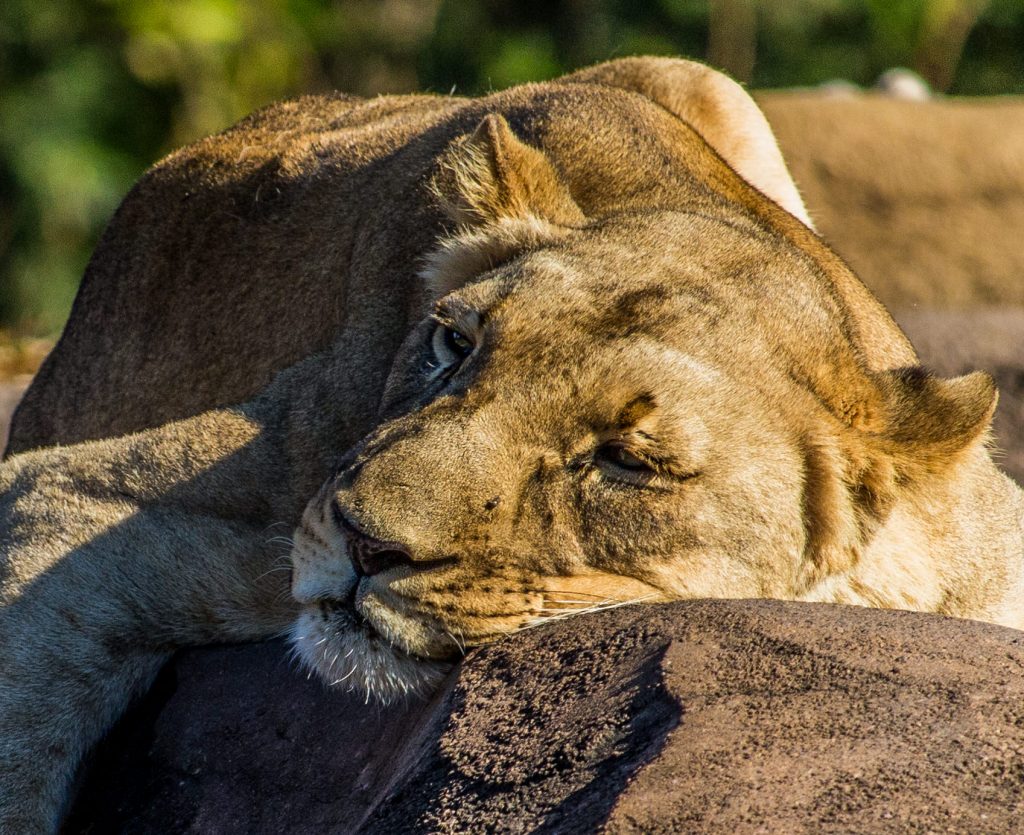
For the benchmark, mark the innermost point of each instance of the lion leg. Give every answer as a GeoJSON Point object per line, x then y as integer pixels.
{"type": "Point", "coordinates": [112, 555]}
{"type": "Point", "coordinates": [115, 553]}
{"type": "Point", "coordinates": [49, 721]}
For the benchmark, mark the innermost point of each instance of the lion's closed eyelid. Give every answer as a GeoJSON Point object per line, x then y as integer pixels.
{"type": "Point", "coordinates": [619, 454]}
{"type": "Point", "coordinates": [462, 317]}
{"type": "Point", "coordinates": [640, 452]}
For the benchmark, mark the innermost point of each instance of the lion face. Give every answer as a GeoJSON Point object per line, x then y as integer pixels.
{"type": "Point", "coordinates": [582, 428]}
{"type": "Point", "coordinates": [649, 406]}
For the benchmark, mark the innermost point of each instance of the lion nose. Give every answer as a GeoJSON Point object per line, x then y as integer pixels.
{"type": "Point", "coordinates": [370, 555]}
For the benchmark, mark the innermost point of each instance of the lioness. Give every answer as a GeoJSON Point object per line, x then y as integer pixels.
{"type": "Point", "coordinates": [587, 351]}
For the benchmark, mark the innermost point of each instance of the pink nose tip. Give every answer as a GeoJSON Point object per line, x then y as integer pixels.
{"type": "Point", "coordinates": [369, 555]}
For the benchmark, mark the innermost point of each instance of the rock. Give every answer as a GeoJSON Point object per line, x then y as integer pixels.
{"type": "Point", "coordinates": [924, 199]}
{"type": "Point", "coordinates": [710, 716]}
{"type": "Point", "coordinates": [234, 739]}
{"type": "Point", "coordinates": [901, 83]}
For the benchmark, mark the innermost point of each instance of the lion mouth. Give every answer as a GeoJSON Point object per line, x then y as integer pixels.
{"type": "Point", "coordinates": [335, 641]}
{"type": "Point", "coordinates": [341, 617]}
{"type": "Point", "coordinates": [344, 610]}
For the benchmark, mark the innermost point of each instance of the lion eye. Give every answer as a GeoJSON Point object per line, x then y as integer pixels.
{"type": "Point", "coordinates": [457, 343]}
{"type": "Point", "coordinates": [451, 347]}
{"type": "Point", "coordinates": [622, 458]}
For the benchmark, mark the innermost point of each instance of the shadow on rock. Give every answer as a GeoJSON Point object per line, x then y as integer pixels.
{"type": "Point", "coordinates": [712, 716]}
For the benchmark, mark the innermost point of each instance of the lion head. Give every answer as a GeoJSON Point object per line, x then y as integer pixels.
{"type": "Point", "coordinates": [657, 403]}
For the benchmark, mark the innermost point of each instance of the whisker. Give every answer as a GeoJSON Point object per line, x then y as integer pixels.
{"type": "Point", "coordinates": [280, 540]}
{"type": "Point", "coordinates": [567, 613]}
{"type": "Point", "coordinates": [461, 647]}
{"type": "Point", "coordinates": [340, 680]}
{"type": "Point", "coordinates": [572, 592]}
{"type": "Point", "coordinates": [274, 571]}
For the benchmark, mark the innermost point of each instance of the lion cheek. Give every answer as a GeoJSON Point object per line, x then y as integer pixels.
{"type": "Point", "coordinates": [397, 622]}
{"type": "Point", "coordinates": [709, 574]}
{"type": "Point", "coordinates": [321, 569]}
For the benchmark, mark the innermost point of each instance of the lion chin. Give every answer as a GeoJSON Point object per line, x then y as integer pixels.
{"type": "Point", "coordinates": [337, 644]}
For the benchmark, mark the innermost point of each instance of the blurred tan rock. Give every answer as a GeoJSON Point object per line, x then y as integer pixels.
{"type": "Point", "coordinates": [924, 199]}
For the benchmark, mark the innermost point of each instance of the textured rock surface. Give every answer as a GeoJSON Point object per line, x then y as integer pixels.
{"type": "Point", "coordinates": [710, 716]}
{"type": "Point", "coordinates": [233, 739]}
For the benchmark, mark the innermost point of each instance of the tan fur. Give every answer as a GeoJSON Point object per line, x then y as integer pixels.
{"type": "Point", "coordinates": [623, 288]}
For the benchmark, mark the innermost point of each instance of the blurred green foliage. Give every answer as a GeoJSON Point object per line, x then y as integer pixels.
{"type": "Point", "coordinates": [93, 91]}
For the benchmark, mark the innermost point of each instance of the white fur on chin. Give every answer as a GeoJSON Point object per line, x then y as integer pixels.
{"type": "Point", "coordinates": [343, 651]}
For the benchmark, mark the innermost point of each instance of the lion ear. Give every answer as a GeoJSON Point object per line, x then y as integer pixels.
{"type": "Point", "coordinates": [490, 176]}
{"type": "Point", "coordinates": [930, 421]}
{"type": "Point", "coordinates": [924, 425]}
{"type": "Point", "coordinates": [916, 426]}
